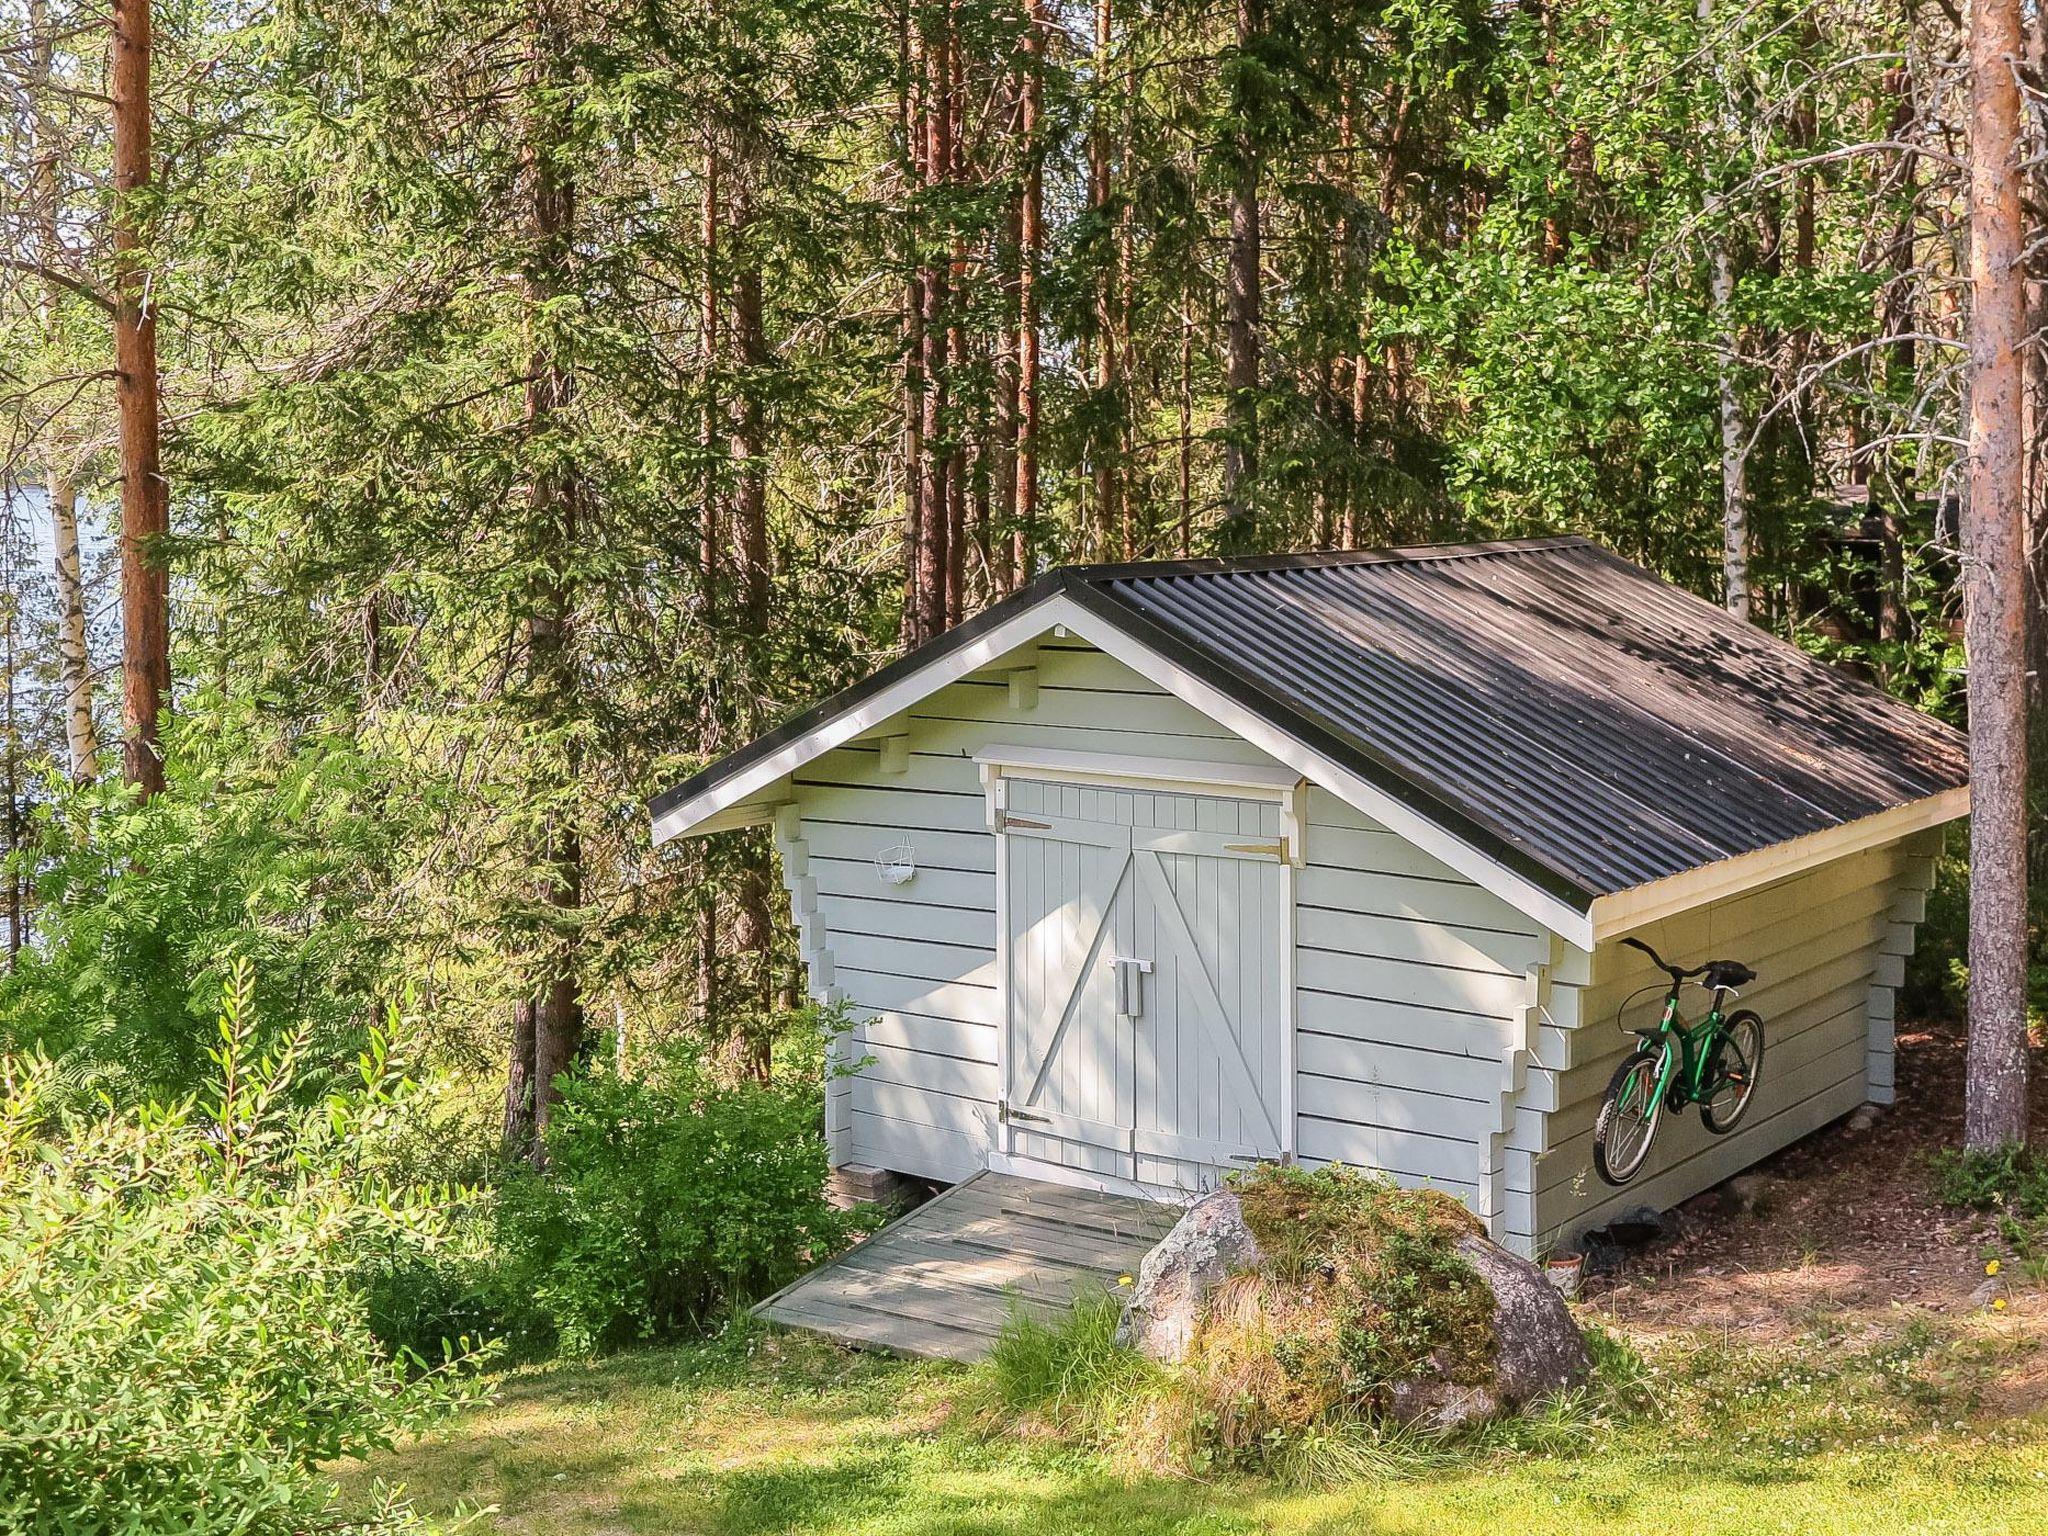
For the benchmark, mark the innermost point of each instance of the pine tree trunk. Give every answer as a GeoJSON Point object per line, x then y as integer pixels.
{"type": "Point", "coordinates": [932, 552]}
{"type": "Point", "coordinates": [145, 505]}
{"type": "Point", "coordinates": [1994, 571]}
{"type": "Point", "coordinates": [755, 932]}
{"type": "Point", "coordinates": [519, 1107]}
{"type": "Point", "coordinates": [550, 394]}
{"type": "Point", "coordinates": [911, 137]}
{"type": "Point", "coordinates": [1241, 321]}
{"type": "Point", "coordinates": [1107, 512]}
{"type": "Point", "coordinates": [710, 530]}
{"type": "Point", "coordinates": [1030, 238]}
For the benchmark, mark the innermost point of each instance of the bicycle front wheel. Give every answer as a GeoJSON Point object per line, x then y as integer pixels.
{"type": "Point", "coordinates": [1627, 1122]}
{"type": "Point", "coordinates": [1733, 1075]}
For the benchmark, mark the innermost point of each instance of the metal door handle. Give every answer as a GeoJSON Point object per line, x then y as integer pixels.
{"type": "Point", "coordinates": [1130, 985]}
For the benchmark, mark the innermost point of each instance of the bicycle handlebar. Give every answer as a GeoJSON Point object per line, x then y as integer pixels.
{"type": "Point", "coordinates": [1676, 973]}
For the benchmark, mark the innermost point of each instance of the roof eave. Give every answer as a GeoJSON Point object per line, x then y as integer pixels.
{"type": "Point", "coordinates": [1624, 912]}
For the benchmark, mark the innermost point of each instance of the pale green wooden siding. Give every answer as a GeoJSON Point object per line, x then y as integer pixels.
{"type": "Point", "coordinates": [1828, 947]}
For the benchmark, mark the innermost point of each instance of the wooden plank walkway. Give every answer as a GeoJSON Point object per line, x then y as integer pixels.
{"type": "Point", "coordinates": [942, 1280]}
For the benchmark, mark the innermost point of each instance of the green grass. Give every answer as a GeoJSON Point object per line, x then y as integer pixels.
{"type": "Point", "coordinates": [785, 1437]}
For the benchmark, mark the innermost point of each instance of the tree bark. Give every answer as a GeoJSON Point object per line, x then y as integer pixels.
{"type": "Point", "coordinates": [1030, 237]}
{"type": "Point", "coordinates": [1734, 446]}
{"type": "Point", "coordinates": [74, 662]}
{"type": "Point", "coordinates": [1107, 512]}
{"type": "Point", "coordinates": [1735, 589]}
{"type": "Point", "coordinates": [1994, 573]}
{"type": "Point", "coordinates": [145, 503]}
{"type": "Point", "coordinates": [557, 1004]}
{"type": "Point", "coordinates": [933, 553]}
{"type": "Point", "coordinates": [710, 532]}
{"type": "Point", "coordinates": [519, 1107]}
{"type": "Point", "coordinates": [910, 135]}
{"type": "Point", "coordinates": [81, 736]}
{"type": "Point", "coordinates": [1241, 318]}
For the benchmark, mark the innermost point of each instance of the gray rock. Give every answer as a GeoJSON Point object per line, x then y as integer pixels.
{"type": "Point", "coordinates": [1863, 1119]}
{"type": "Point", "coordinates": [1749, 1191]}
{"type": "Point", "coordinates": [1209, 1245]}
{"type": "Point", "coordinates": [1538, 1349]}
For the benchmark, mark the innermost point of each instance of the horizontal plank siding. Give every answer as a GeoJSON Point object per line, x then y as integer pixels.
{"type": "Point", "coordinates": [1439, 1035]}
{"type": "Point", "coordinates": [1408, 977]}
{"type": "Point", "coordinates": [1825, 947]}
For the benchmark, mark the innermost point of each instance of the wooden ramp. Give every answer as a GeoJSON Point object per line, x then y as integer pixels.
{"type": "Point", "coordinates": [942, 1280]}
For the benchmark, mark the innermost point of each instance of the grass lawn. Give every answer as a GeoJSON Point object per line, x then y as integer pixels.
{"type": "Point", "coordinates": [1871, 1434]}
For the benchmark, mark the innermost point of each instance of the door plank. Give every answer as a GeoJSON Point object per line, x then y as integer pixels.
{"type": "Point", "coordinates": [1209, 1010]}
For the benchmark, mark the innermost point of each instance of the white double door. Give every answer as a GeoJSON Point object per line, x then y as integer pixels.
{"type": "Point", "coordinates": [1148, 991]}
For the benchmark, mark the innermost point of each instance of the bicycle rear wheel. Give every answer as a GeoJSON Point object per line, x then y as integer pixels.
{"type": "Point", "coordinates": [1733, 1074]}
{"type": "Point", "coordinates": [1627, 1122]}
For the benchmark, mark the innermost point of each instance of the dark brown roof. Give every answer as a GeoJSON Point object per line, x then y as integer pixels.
{"type": "Point", "coordinates": [1588, 724]}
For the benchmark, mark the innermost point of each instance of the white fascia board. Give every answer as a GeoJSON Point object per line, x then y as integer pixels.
{"type": "Point", "coordinates": [1625, 911]}
{"type": "Point", "coordinates": [695, 815]}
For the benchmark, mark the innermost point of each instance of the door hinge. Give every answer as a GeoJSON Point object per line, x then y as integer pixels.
{"type": "Point", "coordinates": [1005, 821]}
{"type": "Point", "coordinates": [1008, 1114]}
{"type": "Point", "coordinates": [1276, 850]}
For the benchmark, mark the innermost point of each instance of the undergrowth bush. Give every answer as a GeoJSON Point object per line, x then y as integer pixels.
{"type": "Point", "coordinates": [144, 907]}
{"type": "Point", "coordinates": [182, 1344]}
{"type": "Point", "coordinates": [664, 1204]}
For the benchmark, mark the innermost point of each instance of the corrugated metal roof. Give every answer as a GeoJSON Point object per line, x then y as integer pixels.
{"type": "Point", "coordinates": [1590, 725]}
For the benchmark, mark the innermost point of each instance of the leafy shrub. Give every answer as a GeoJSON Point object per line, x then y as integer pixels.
{"type": "Point", "coordinates": [144, 909]}
{"type": "Point", "coordinates": [181, 1342]}
{"type": "Point", "coordinates": [664, 1203]}
{"type": "Point", "coordinates": [2012, 1180]}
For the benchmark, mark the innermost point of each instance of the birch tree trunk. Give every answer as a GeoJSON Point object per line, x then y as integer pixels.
{"type": "Point", "coordinates": [1994, 575]}
{"type": "Point", "coordinates": [145, 515]}
{"type": "Point", "coordinates": [1735, 594]}
{"type": "Point", "coordinates": [74, 664]}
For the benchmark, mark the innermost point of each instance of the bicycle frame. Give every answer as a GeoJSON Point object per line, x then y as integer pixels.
{"type": "Point", "coordinates": [1681, 1074]}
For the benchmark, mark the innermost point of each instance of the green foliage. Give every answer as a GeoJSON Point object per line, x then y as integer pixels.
{"type": "Point", "coordinates": [2013, 1180]}
{"type": "Point", "coordinates": [664, 1204]}
{"type": "Point", "coordinates": [1069, 1372]}
{"type": "Point", "coordinates": [182, 1345]}
{"type": "Point", "coordinates": [251, 856]}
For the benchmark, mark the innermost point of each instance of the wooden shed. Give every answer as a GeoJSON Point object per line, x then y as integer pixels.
{"type": "Point", "coordinates": [1155, 870]}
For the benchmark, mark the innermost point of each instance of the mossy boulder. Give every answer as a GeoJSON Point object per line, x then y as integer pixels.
{"type": "Point", "coordinates": [1297, 1297]}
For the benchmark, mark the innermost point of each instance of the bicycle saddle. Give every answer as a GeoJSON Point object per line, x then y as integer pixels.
{"type": "Point", "coordinates": [1726, 973]}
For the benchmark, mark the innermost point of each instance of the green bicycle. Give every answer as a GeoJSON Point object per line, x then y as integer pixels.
{"type": "Point", "coordinates": [1716, 1064]}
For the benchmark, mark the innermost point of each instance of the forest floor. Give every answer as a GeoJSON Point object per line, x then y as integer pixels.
{"type": "Point", "coordinates": [1821, 1341]}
